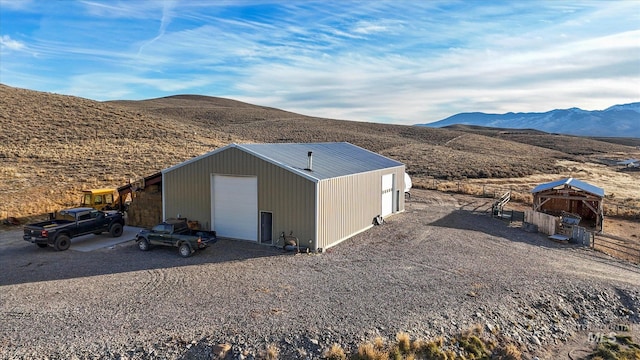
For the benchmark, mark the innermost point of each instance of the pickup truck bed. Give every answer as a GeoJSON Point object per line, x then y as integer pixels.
{"type": "Point", "coordinates": [51, 223]}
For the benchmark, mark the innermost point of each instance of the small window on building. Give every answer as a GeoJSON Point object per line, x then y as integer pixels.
{"type": "Point", "coordinates": [98, 200]}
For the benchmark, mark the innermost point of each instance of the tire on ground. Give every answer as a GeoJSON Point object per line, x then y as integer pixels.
{"type": "Point", "coordinates": [143, 244]}
{"type": "Point", "coordinates": [184, 250]}
{"type": "Point", "coordinates": [62, 243]}
{"type": "Point", "coordinates": [115, 230]}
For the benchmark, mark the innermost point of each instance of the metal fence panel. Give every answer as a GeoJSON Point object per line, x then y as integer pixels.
{"type": "Point", "coordinates": [581, 236]}
{"type": "Point", "coordinates": [517, 215]}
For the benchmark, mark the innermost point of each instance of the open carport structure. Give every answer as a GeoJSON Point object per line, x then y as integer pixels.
{"type": "Point", "coordinates": [571, 195]}
{"type": "Point", "coordinates": [322, 193]}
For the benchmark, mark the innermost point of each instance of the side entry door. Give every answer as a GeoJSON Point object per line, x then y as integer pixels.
{"type": "Point", "coordinates": [266, 227]}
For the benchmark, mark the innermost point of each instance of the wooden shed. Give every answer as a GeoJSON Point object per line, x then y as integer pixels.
{"type": "Point", "coordinates": [572, 196]}
{"type": "Point", "coordinates": [322, 193]}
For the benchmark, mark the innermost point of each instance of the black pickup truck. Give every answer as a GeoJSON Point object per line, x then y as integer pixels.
{"type": "Point", "coordinates": [175, 233]}
{"type": "Point", "coordinates": [71, 223]}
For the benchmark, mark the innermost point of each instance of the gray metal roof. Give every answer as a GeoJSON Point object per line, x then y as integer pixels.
{"type": "Point", "coordinates": [329, 160]}
{"type": "Point", "coordinates": [581, 185]}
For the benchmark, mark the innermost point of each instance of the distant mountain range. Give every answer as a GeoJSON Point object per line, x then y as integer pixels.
{"type": "Point", "coordinates": [616, 121]}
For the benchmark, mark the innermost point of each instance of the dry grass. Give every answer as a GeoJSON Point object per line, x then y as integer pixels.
{"type": "Point", "coordinates": [470, 344]}
{"type": "Point", "coordinates": [618, 247]}
{"type": "Point", "coordinates": [509, 352]}
{"type": "Point", "coordinates": [621, 347]}
{"type": "Point", "coordinates": [575, 145]}
{"type": "Point", "coordinates": [272, 352]}
{"type": "Point", "coordinates": [335, 352]}
{"type": "Point", "coordinates": [379, 343]}
{"type": "Point", "coordinates": [53, 146]}
{"type": "Point", "coordinates": [404, 342]}
{"type": "Point", "coordinates": [369, 351]}
{"type": "Point", "coordinates": [620, 187]}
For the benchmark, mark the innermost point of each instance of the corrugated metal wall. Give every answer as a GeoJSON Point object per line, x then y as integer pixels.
{"type": "Point", "coordinates": [291, 198]}
{"type": "Point", "coordinates": [348, 205]}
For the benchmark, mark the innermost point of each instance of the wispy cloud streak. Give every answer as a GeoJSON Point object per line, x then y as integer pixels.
{"type": "Point", "coordinates": [391, 61]}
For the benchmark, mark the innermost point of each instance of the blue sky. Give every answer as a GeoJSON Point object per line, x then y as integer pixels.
{"type": "Point", "coordinates": [403, 62]}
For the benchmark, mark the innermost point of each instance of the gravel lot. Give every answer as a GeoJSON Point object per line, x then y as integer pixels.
{"type": "Point", "coordinates": [439, 268]}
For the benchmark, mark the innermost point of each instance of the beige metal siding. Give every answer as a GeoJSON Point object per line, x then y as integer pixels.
{"type": "Point", "coordinates": [291, 198]}
{"type": "Point", "coordinates": [348, 205]}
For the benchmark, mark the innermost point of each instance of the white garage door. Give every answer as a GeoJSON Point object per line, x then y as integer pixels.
{"type": "Point", "coordinates": [235, 206]}
{"type": "Point", "coordinates": [387, 194]}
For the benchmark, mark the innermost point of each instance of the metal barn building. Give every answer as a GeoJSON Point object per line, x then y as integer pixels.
{"type": "Point", "coordinates": [322, 193]}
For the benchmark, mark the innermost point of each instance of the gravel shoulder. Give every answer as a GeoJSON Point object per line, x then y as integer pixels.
{"type": "Point", "coordinates": [441, 267]}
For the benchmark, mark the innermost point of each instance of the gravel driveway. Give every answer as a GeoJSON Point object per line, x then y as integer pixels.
{"type": "Point", "coordinates": [441, 267]}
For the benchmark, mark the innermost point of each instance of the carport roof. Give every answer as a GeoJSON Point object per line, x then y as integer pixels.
{"type": "Point", "coordinates": [329, 160]}
{"type": "Point", "coordinates": [574, 183]}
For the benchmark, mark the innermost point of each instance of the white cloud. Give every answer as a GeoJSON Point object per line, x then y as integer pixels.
{"type": "Point", "coordinates": [22, 5]}
{"type": "Point", "coordinates": [167, 13]}
{"type": "Point", "coordinates": [367, 27]}
{"type": "Point", "coordinates": [124, 9]}
{"type": "Point", "coordinates": [7, 43]}
{"type": "Point", "coordinates": [389, 60]}
{"type": "Point", "coordinates": [362, 87]}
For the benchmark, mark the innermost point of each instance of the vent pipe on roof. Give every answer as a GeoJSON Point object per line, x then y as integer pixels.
{"type": "Point", "coordinates": [310, 162]}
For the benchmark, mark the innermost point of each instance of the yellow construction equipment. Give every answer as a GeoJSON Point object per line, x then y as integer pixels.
{"type": "Point", "coordinates": [100, 199]}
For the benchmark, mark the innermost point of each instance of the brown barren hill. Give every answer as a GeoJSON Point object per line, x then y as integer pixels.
{"type": "Point", "coordinates": [428, 152]}
{"type": "Point", "coordinates": [52, 146]}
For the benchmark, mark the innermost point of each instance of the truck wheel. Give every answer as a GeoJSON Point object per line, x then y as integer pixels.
{"type": "Point", "coordinates": [143, 244]}
{"type": "Point", "coordinates": [41, 245]}
{"type": "Point", "coordinates": [63, 242]}
{"type": "Point", "coordinates": [184, 250]}
{"type": "Point", "coordinates": [115, 230]}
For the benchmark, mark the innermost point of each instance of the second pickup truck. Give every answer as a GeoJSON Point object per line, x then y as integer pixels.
{"type": "Point", "coordinates": [175, 233]}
